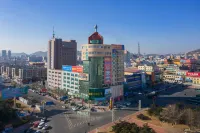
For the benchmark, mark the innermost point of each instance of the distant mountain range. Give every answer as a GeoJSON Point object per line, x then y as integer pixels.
{"type": "Point", "coordinates": [40, 53]}
{"type": "Point", "coordinates": [19, 54]}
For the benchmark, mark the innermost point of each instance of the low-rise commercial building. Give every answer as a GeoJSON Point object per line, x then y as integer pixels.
{"type": "Point", "coordinates": [54, 79]}
{"type": "Point", "coordinates": [193, 77]}
{"type": "Point", "coordinates": [172, 78]}
{"type": "Point", "coordinates": [28, 74]}
{"type": "Point", "coordinates": [70, 81]}
{"type": "Point", "coordinates": [134, 81]}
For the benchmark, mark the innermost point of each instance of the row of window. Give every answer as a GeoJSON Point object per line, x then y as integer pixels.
{"type": "Point", "coordinates": [55, 72]}
{"type": "Point", "coordinates": [96, 46]}
{"type": "Point", "coordinates": [76, 75]}
{"type": "Point", "coordinates": [70, 86]}
{"type": "Point", "coordinates": [171, 76]}
{"type": "Point", "coordinates": [71, 90]}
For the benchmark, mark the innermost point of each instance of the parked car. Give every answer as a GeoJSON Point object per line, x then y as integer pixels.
{"type": "Point", "coordinates": [44, 119]}
{"type": "Point", "coordinates": [41, 125]}
{"type": "Point", "coordinates": [49, 103]}
{"type": "Point", "coordinates": [76, 108]}
{"type": "Point", "coordinates": [45, 127]}
{"type": "Point", "coordinates": [127, 103]}
{"type": "Point", "coordinates": [64, 107]}
{"type": "Point", "coordinates": [38, 131]}
{"type": "Point", "coordinates": [36, 123]}
{"type": "Point", "coordinates": [63, 98]}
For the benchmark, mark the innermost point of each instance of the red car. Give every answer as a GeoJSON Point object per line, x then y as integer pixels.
{"type": "Point", "coordinates": [36, 123]}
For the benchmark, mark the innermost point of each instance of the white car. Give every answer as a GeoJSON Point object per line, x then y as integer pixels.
{"type": "Point", "coordinates": [43, 119]}
{"type": "Point", "coordinates": [38, 131]}
{"type": "Point", "coordinates": [64, 107]}
{"type": "Point", "coordinates": [45, 127]}
{"type": "Point", "coordinates": [41, 125]}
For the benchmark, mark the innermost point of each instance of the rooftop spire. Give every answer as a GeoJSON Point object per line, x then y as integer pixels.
{"type": "Point", "coordinates": [53, 33]}
{"type": "Point", "coordinates": [95, 27]}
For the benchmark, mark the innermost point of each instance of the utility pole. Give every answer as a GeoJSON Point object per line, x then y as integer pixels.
{"type": "Point", "coordinates": [14, 102]}
{"type": "Point", "coordinates": [43, 102]}
{"type": "Point", "coordinates": [139, 105]}
{"type": "Point", "coordinates": [89, 116]}
{"type": "Point", "coordinates": [113, 115]}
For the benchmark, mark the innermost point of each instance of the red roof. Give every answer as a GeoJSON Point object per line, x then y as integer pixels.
{"type": "Point", "coordinates": [43, 90]}
{"type": "Point", "coordinates": [95, 36]}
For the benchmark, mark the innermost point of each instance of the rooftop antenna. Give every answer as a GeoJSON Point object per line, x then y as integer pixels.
{"type": "Point", "coordinates": [53, 32]}
{"type": "Point", "coordinates": [138, 49]}
{"type": "Point", "coordinates": [96, 27]}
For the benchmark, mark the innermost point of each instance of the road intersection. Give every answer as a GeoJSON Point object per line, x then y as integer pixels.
{"type": "Point", "coordinates": [66, 120]}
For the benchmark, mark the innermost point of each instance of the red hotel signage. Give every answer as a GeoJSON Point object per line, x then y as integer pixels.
{"type": "Point", "coordinates": [78, 69]}
{"type": "Point", "coordinates": [195, 74]}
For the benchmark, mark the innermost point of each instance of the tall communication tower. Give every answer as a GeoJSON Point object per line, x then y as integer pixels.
{"type": "Point", "coordinates": [138, 49]}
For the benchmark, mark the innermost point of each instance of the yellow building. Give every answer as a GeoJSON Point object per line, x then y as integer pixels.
{"type": "Point", "coordinates": [195, 80]}
{"type": "Point", "coordinates": [177, 61]}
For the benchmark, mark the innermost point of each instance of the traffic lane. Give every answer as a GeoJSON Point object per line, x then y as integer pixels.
{"type": "Point", "coordinates": [59, 124]}
{"type": "Point", "coordinates": [106, 118]}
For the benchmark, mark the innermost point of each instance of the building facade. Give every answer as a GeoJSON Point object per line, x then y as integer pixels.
{"type": "Point", "coordinates": [105, 66]}
{"type": "Point", "coordinates": [54, 78]}
{"type": "Point", "coordinates": [28, 74]}
{"type": "Point", "coordinates": [193, 77]}
{"type": "Point", "coordinates": [61, 53]}
{"type": "Point", "coordinates": [9, 54]}
{"type": "Point", "coordinates": [70, 81]}
{"type": "Point", "coordinates": [4, 53]}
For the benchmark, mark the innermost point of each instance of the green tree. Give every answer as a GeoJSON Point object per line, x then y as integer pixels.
{"type": "Point", "coordinates": [126, 127]}
{"type": "Point", "coordinates": [146, 129]}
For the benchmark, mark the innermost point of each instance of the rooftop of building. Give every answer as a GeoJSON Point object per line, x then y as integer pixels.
{"type": "Point", "coordinates": [132, 70]}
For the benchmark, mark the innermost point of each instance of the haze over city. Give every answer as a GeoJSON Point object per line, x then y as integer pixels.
{"type": "Point", "coordinates": [160, 26]}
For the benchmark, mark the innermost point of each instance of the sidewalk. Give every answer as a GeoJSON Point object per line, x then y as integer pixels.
{"type": "Point", "coordinates": [106, 128]}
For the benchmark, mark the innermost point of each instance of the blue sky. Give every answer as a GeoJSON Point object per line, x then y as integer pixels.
{"type": "Point", "coordinates": [161, 26]}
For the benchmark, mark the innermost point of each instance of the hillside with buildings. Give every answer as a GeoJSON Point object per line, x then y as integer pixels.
{"type": "Point", "coordinates": [197, 51]}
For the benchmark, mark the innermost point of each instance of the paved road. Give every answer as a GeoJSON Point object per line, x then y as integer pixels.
{"type": "Point", "coordinates": [74, 123]}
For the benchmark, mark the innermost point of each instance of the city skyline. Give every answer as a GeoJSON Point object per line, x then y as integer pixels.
{"type": "Point", "coordinates": [159, 26]}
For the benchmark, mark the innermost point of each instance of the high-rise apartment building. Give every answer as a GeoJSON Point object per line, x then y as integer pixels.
{"type": "Point", "coordinates": [3, 52]}
{"type": "Point", "coordinates": [104, 65]}
{"type": "Point", "coordinates": [9, 54]}
{"type": "Point", "coordinates": [61, 53]}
